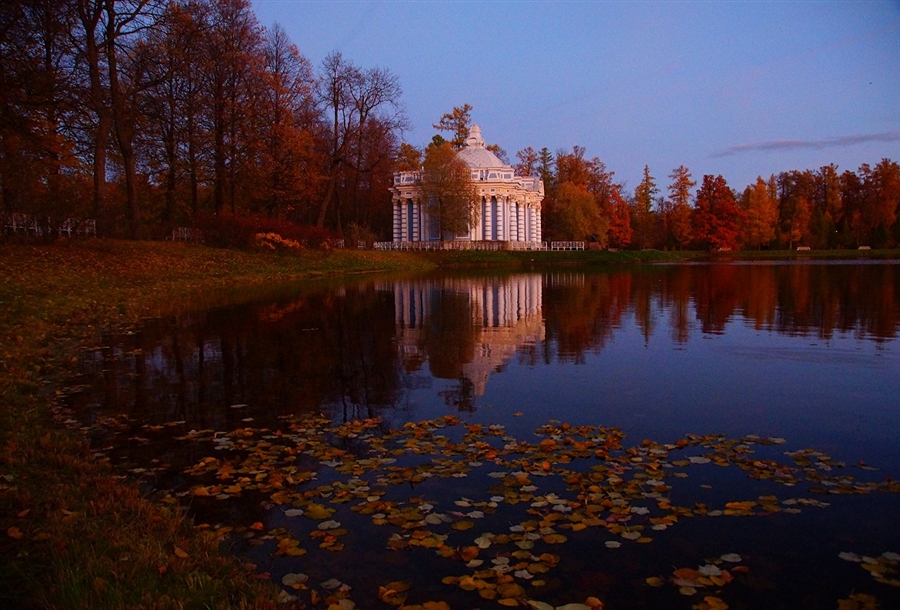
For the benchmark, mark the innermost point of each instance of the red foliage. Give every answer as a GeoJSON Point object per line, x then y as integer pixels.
{"type": "Point", "coordinates": [226, 231]}
{"type": "Point", "coordinates": [716, 217]}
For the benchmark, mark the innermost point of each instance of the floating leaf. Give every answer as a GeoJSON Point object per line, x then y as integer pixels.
{"type": "Point", "coordinates": [463, 525]}
{"type": "Point", "coordinates": [291, 579]}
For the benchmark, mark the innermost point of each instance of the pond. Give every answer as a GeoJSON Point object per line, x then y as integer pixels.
{"type": "Point", "coordinates": [691, 435]}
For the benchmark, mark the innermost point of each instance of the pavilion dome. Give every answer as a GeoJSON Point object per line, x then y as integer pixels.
{"type": "Point", "coordinates": [475, 155]}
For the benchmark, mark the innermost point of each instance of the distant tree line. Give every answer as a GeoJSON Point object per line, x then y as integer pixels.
{"type": "Point", "coordinates": [149, 114]}
{"type": "Point", "coordinates": [822, 208]}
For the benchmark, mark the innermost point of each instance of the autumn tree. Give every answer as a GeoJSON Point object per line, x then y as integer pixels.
{"type": "Point", "coordinates": [795, 194]}
{"type": "Point", "coordinates": [127, 68]}
{"type": "Point", "coordinates": [457, 123]}
{"type": "Point", "coordinates": [289, 167]}
{"type": "Point", "coordinates": [408, 158]}
{"type": "Point", "coordinates": [643, 217]}
{"type": "Point", "coordinates": [170, 105]}
{"type": "Point", "coordinates": [39, 170]}
{"type": "Point", "coordinates": [528, 162]}
{"type": "Point", "coordinates": [716, 216]}
{"type": "Point", "coordinates": [360, 104]}
{"type": "Point", "coordinates": [760, 214]}
{"type": "Point", "coordinates": [828, 207]}
{"type": "Point", "coordinates": [678, 211]}
{"type": "Point", "coordinates": [448, 191]}
{"type": "Point", "coordinates": [577, 215]}
{"type": "Point", "coordinates": [619, 220]}
{"type": "Point", "coordinates": [882, 199]}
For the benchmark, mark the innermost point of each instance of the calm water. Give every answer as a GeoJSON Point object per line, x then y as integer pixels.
{"type": "Point", "coordinates": [808, 353]}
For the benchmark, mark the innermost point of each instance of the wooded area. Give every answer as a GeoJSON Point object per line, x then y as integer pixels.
{"type": "Point", "coordinates": [148, 114]}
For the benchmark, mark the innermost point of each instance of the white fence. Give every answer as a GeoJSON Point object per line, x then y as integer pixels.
{"type": "Point", "coordinates": [459, 245]}
{"type": "Point", "coordinates": [26, 224]}
{"type": "Point", "coordinates": [566, 245]}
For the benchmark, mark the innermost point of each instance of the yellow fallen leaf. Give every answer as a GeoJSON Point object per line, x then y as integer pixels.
{"type": "Point", "coordinates": [180, 552]}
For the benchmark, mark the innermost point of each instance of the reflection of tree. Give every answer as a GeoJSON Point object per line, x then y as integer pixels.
{"type": "Point", "coordinates": [677, 298]}
{"type": "Point", "coordinates": [716, 297]}
{"type": "Point", "coordinates": [335, 348]}
{"type": "Point", "coordinates": [348, 349]}
{"type": "Point", "coordinates": [462, 396]}
{"type": "Point", "coordinates": [450, 333]}
{"type": "Point", "coordinates": [581, 310]}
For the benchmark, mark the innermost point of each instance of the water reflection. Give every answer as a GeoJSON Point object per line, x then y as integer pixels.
{"type": "Point", "coordinates": [808, 352]}
{"type": "Point", "coordinates": [366, 348]}
{"type": "Point", "coordinates": [466, 328]}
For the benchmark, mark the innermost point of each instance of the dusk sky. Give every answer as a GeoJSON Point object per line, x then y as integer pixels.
{"type": "Point", "coordinates": [733, 88]}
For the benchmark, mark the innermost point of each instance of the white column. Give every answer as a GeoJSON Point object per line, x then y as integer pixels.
{"type": "Point", "coordinates": [532, 226]}
{"type": "Point", "coordinates": [404, 219]}
{"type": "Point", "coordinates": [395, 211]}
{"type": "Point", "coordinates": [520, 220]}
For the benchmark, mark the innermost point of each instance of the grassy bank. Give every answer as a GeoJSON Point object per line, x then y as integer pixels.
{"type": "Point", "coordinates": [72, 534]}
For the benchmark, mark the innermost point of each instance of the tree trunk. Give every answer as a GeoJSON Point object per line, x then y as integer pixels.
{"type": "Point", "coordinates": [123, 125]}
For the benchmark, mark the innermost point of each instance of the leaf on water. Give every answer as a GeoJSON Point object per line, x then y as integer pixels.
{"type": "Point", "coordinates": [318, 512]}
{"type": "Point", "coordinates": [655, 581]}
{"type": "Point", "coordinates": [290, 579]}
{"type": "Point", "coordinates": [709, 570]}
{"type": "Point", "coordinates": [731, 557]}
{"type": "Point", "coordinates": [686, 574]}
{"type": "Point", "coordinates": [329, 525]}
{"type": "Point", "coordinates": [846, 556]}
{"type": "Point", "coordinates": [331, 584]}
{"type": "Point", "coordinates": [612, 544]}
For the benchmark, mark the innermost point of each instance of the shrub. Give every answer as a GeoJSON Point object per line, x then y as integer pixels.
{"type": "Point", "coordinates": [241, 231]}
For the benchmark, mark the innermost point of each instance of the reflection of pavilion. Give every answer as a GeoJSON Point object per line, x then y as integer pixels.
{"type": "Point", "coordinates": [505, 316]}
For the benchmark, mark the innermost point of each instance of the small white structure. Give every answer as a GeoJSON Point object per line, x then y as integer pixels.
{"type": "Point", "coordinates": [510, 206]}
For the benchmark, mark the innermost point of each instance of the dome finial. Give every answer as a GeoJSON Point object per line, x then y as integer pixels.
{"type": "Point", "coordinates": [475, 140]}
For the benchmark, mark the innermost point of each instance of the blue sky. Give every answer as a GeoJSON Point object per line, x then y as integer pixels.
{"type": "Point", "coordinates": [733, 88]}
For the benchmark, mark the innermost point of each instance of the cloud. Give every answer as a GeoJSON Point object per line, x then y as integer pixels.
{"type": "Point", "coordinates": [779, 145]}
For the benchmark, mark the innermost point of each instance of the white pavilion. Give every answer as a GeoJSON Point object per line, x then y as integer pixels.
{"type": "Point", "coordinates": [510, 204]}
